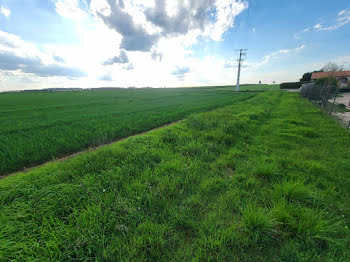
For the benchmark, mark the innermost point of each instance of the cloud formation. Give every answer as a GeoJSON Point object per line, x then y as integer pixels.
{"type": "Point", "coordinates": [298, 35]}
{"type": "Point", "coordinates": [265, 60]}
{"type": "Point", "coordinates": [128, 67]}
{"type": "Point", "coordinates": [58, 59]}
{"type": "Point", "coordinates": [181, 70]}
{"type": "Point", "coordinates": [121, 59]}
{"type": "Point", "coordinates": [6, 12]}
{"type": "Point", "coordinates": [155, 55]}
{"type": "Point", "coordinates": [106, 78]}
{"type": "Point", "coordinates": [342, 19]}
{"type": "Point", "coordinates": [72, 9]}
{"type": "Point", "coordinates": [142, 25]}
{"type": "Point", "coordinates": [16, 54]}
{"type": "Point", "coordinates": [135, 37]}
{"type": "Point", "coordinates": [181, 16]}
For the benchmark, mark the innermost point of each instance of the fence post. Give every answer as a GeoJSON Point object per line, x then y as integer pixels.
{"type": "Point", "coordinates": [305, 95]}
{"type": "Point", "coordinates": [335, 98]}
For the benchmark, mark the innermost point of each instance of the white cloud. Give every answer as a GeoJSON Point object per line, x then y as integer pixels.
{"type": "Point", "coordinates": [166, 61]}
{"type": "Point", "coordinates": [121, 59]}
{"type": "Point", "coordinates": [6, 12]}
{"type": "Point", "coordinates": [317, 26]}
{"type": "Point", "coordinates": [342, 12]}
{"type": "Point", "coordinates": [71, 8]}
{"type": "Point", "coordinates": [143, 24]}
{"type": "Point", "coordinates": [268, 58]}
{"type": "Point", "coordinates": [342, 20]}
{"type": "Point", "coordinates": [100, 6]}
{"type": "Point", "coordinates": [106, 77]}
{"type": "Point", "coordinates": [127, 27]}
{"type": "Point", "coordinates": [298, 35]}
{"type": "Point", "coordinates": [226, 11]}
{"type": "Point", "coordinates": [18, 55]}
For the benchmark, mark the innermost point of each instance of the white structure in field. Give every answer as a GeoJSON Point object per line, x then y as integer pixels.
{"type": "Point", "coordinates": [242, 52]}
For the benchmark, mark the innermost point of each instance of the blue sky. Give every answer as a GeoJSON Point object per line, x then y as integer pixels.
{"type": "Point", "coordinates": [92, 43]}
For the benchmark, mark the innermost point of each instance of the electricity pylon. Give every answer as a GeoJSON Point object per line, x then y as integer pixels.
{"type": "Point", "coordinates": [242, 53]}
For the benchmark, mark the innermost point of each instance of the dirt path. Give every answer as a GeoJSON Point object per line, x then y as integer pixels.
{"type": "Point", "coordinates": [343, 117]}
{"type": "Point", "coordinates": [87, 150]}
{"type": "Point", "coordinates": [292, 90]}
{"type": "Point", "coordinates": [345, 99]}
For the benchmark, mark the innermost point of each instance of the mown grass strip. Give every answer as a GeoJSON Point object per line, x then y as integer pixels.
{"type": "Point", "coordinates": [261, 180]}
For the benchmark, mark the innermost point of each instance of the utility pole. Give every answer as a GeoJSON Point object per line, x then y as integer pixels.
{"type": "Point", "coordinates": [242, 52]}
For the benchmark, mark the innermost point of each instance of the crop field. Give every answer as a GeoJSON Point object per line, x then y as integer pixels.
{"type": "Point", "coordinates": [38, 127]}
{"type": "Point", "coordinates": [264, 178]}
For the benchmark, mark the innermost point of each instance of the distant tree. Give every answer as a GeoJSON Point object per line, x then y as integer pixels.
{"type": "Point", "coordinates": [306, 77]}
{"type": "Point", "coordinates": [332, 68]}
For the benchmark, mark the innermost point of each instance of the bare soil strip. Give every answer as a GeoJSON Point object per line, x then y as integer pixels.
{"type": "Point", "coordinates": [86, 151]}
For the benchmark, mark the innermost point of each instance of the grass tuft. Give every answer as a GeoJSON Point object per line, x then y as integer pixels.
{"type": "Point", "coordinates": [257, 223]}
{"type": "Point", "coordinates": [294, 191]}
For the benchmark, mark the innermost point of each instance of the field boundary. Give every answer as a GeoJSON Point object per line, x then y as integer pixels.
{"type": "Point", "coordinates": [90, 149]}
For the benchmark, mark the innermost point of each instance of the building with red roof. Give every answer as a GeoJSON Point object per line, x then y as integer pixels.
{"type": "Point", "coordinates": [343, 77]}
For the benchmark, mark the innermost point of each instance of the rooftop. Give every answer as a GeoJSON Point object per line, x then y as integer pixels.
{"type": "Point", "coordinates": [335, 74]}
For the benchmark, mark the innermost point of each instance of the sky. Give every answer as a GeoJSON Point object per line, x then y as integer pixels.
{"type": "Point", "coordinates": [167, 43]}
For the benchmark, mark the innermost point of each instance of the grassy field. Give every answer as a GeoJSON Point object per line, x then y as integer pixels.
{"type": "Point", "coordinates": [266, 179]}
{"type": "Point", "coordinates": [37, 127]}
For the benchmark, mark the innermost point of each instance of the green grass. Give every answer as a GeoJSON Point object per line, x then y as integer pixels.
{"type": "Point", "coordinates": [252, 87]}
{"type": "Point", "coordinates": [261, 87]}
{"type": "Point", "coordinates": [265, 179]}
{"type": "Point", "coordinates": [38, 127]}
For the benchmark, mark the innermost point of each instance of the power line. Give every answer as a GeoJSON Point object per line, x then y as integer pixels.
{"type": "Point", "coordinates": [242, 53]}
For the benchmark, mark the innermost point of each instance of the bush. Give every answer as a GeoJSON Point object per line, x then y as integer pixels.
{"type": "Point", "coordinates": [326, 81]}
{"type": "Point", "coordinates": [293, 85]}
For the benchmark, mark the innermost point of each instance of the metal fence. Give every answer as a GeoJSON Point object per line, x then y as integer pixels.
{"type": "Point", "coordinates": [331, 99]}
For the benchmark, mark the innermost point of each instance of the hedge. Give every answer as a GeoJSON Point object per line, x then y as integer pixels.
{"type": "Point", "coordinates": [293, 85]}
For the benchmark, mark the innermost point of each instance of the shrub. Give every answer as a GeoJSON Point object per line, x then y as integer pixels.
{"type": "Point", "coordinates": [326, 81]}
{"type": "Point", "coordinates": [293, 85]}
